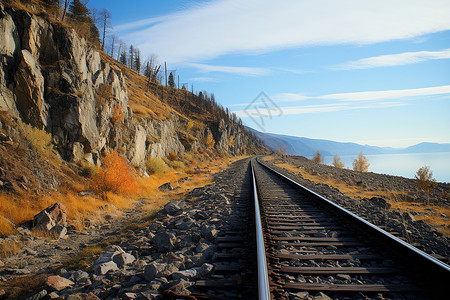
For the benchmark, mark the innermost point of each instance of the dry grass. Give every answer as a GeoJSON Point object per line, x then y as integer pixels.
{"type": "Point", "coordinates": [22, 286]}
{"type": "Point", "coordinates": [434, 215]}
{"type": "Point", "coordinates": [9, 248]}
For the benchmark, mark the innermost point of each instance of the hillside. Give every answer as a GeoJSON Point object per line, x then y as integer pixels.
{"type": "Point", "coordinates": [65, 106]}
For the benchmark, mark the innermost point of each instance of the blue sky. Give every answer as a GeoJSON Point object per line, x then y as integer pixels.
{"type": "Point", "coordinates": [371, 72]}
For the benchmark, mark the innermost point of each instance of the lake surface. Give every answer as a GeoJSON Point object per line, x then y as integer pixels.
{"type": "Point", "coordinates": [405, 165]}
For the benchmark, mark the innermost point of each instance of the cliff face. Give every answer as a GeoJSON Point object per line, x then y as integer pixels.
{"type": "Point", "coordinates": [52, 79]}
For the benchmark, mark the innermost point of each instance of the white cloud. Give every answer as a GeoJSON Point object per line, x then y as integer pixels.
{"type": "Point", "coordinates": [232, 70]}
{"type": "Point", "coordinates": [138, 24]}
{"type": "Point", "coordinates": [368, 96]}
{"type": "Point", "coordinates": [290, 97]}
{"type": "Point", "coordinates": [346, 101]}
{"type": "Point", "coordinates": [389, 94]}
{"type": "Point", "coordinates": [400, 59]}
{"type": "Point", "coordinates": [203, 79]}
{"type": "Point", "coordinates": [321, 108]}
{"type": "Point", "coordinates": [235, 26]}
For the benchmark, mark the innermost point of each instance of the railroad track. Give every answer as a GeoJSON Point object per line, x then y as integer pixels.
{"type": "Point", "coordinates": [307, 244]}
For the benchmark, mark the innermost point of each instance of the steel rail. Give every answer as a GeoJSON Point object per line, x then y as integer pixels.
{"type": "Point", "coordinates": [438, 273]}
{"type": "Point", "coordinates": [263, 278]}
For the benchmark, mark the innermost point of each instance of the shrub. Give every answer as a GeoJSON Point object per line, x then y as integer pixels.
{"type": "Point", "coordinates": [361, 164]}
{"type": "Point", "coordinates": [210, 142]}
{"type": "Point", "coordinates": [318, 158]}
{"type": "Point", "coordinates": [279, 151]}
{"type": "Point", "coordinates": [117, 113]}
{"type": "Point", "coordinates": [155, 165]}
{"type": "Point", "coordinates": [40, 141]}
{"type": "Point", "coordinates": [425, 180]}
{"type": "Point", "coordinates": [173, 156]}
{"type": "Point", "coordinates": [177, 165]}
{"type": "Point", "coordinates": [88, 169]}
{"type": "Point", "coordinates": [231, 141]}
{"type": "Point", "coordinates": [337, 162]}
{"type": "Point", "coordinates": [115, 176]}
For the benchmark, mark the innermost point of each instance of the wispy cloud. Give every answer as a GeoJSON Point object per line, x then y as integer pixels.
{"type": "Point", "coordinates": [347, 101]}
{"type": "Point", "coordinates": [290, 97]}
{"type": "Point", "coordinates": [368, 96]}
{"type": "Point", "coordinates": [235, 26]}
{"type": "Point", "coordinates": [137, 25]}
{"type": "Point", "coordinates": [320, 108]}
{"type": "Point", "coordinates": [390, 60]}
{"type": "Point", "coordinates": [247, 71]}
{"type": "Point", "coordinates": [389, 94]}
{"type": "Point", "coordinates": [203, 79]}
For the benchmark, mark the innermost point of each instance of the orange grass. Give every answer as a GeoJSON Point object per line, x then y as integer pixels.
{"type": "Point", "coordinates": [22, 208]}
{"type": "Point", "coordinates": [352, 191]}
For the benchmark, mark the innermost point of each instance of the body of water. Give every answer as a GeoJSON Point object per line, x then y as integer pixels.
{"type": "Point", "coordinates": [405, 165]}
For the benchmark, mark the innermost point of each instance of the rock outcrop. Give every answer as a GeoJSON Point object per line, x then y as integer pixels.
{"type": "Point", "coordinates": [54, 80]}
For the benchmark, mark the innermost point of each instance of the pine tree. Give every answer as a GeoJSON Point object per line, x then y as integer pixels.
{"type": "Point", "coordinates": [137, 60]}
{"type": "Point", "coordinates": [123, 58]}
{"type": "Point", "coordinates": [131, 57]}
{"type": "Point", "coordinates": [171, 81]}
{"type": "Point", "coordinates": [78, 10]}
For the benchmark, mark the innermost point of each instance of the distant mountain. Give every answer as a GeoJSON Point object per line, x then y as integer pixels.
{"type": "Point", "coordinates": [427, 148]}
{"type": "Point", "coordinates": [293, 145]}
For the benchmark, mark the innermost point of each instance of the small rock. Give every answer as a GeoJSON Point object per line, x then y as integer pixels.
{"type": "Point", "coordinates": [166, 187]}
{"type": "Point", "coordinates": [190, 274]}
{"type": "Point", "coordinates": [85, 193]}
{"type": "Point", "coordinates": [123, 259]}
{"type": "Point", "coordinates": [58, 283]}
{"type": "Point", "coordinates": [344, 276]}
{"type": "Point", "coordinates": [299, 295]}
{"type": "Point", "coordinates": [321, 296]}
{"type": "Point", "coordinates": [53, 295]}
{"type": "Point", "coordinates": [164, 241]}
{"type": "Point", "coordinates": [174, 208]}
{"type": "Point", "coordinates": [408, 217]}
{"type": "Point", "coordinates": [104, 268]}
{"type": "Point", "coordinates": [179, 286]}
{"type": "Point", "coordinates": [155, 270]}
{"type": "Point", "coordinates": [38, 296]}
{"type": "Point", "coordinates": [205, 269]}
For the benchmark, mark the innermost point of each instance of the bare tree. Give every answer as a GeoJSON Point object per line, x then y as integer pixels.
{"type": "Point", "coordinates": [105, 19]}
{"type": "Point", "coordinates": [122, 47]}
{"type": "Point", "coordinates": [113, 42]}
{"type": "Point", "coordinates": [66, 4]}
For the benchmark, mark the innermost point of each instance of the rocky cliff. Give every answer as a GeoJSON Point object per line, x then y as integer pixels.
{"type": "Point", "coordinates": [54, 80]}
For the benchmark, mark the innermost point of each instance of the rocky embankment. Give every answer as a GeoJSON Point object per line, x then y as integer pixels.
{"type": "Point", "coordinates": [169, 250]}
{"type": "Point", "coordinates": [377, 210]}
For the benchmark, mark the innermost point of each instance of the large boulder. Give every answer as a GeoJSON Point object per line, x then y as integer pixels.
{"type": "Point", "coordinates": [52, 216]}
